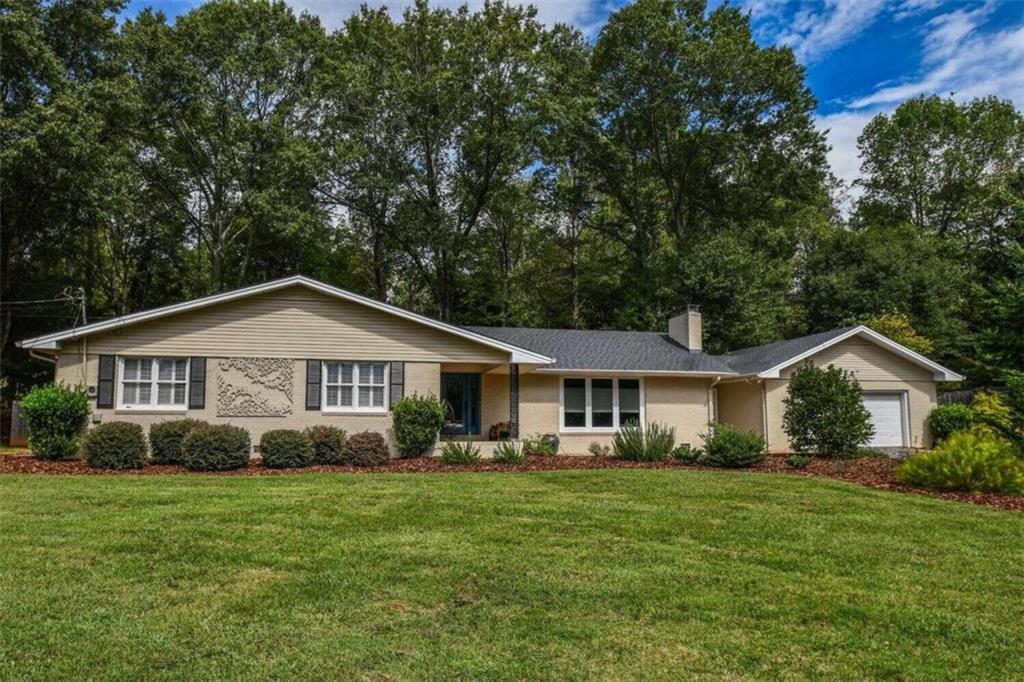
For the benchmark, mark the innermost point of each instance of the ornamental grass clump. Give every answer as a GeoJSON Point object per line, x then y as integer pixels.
{"type": "Point", "coordinates": [165, 439]}
{"type": "Point", "coordinates": [508, 452]}
{"type": "Point", "coordinates": [638, 444]}
{"type": "Point", "coordinates": [286, 449]}
{"type": "Point", "coordinates": [116, 445]}
{"type": "Point", "coordinates": [972, 461]}
{"type": "Point", "coordinates": [454, 452]}
{"type": "Point", "coordinates": [56, 416]}
{"type": "Point", "coordinates": [217, 447]}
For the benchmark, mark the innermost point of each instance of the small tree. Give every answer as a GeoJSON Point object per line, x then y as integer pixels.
{"type": "Point", "coordinates": [824, 413]}
{"type": "Point", "coordinates": [417, 423]}
{"type": "Point", "coordinates": [56, 415]}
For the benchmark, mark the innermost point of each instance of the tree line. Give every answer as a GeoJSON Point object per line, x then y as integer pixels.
{"type": "Point", "coordinates": [483, 168]}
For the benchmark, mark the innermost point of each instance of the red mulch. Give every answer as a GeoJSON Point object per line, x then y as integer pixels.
{"type": "Point", "coordinates": [873, 472]}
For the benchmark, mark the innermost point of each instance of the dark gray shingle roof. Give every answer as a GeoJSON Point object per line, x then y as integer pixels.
{"type": "Point", "coordinates": [607, 350]}
{"type": "Point", "coordinates": [760, 358]}
{"type": "Point", "coordinates": [648, 351]}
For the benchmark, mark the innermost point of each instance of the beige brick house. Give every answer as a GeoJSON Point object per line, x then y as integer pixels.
{"type": "Point", "coordinates": [296, 352]}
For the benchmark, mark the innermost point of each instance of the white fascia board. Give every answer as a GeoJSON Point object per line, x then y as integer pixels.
{"type": "Point", "coordinates": [939, 373]}
{"type": "Point", "coordinates": [50, 341]}
{"type": "Point", "coordinates": [631, 372]}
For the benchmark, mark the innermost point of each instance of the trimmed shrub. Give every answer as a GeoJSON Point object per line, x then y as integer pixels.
{"type": "Point", "coordinates": [727, 446]}
{"type": "Point", "coordinates": [539, 446]}
{"type": "Point", "coordinates": [945, 420]}
{"type": "Point", "coordinates": [508, 452]}
{"type": "Point", "coordinates": [216, 447]}
{"type": "Point", "coordinates": [453, 452]}
{"type": "Point", "coordinates": [967, 460]}
{"type": "Point", "coordinates": [799, 461]}
{"type": "Point", "coordinates": [686, 454]}
{"type": "Point", "coordinates": [286, 449]}
{"type": "Point", "coordinates": [165, 439]}
{"type": "Point", "coordinates": [824, 412]}
{"type": "Point", "coordinates": [598, 450]}
{"type": "Point", "coordinates": [328, 444]}
{"type": "Point", "coordinates": [417, 422]}
{"type": "Point", "coordinates": [116, 445]}
{"type": "Point", "coordinates": [366, 449]}
{"type": "Point", "coordinates": [55, 415]}
{"type": "Point", "coordinates": [499, 431]}
{"type": "Point", "coordinates": [638, 444]}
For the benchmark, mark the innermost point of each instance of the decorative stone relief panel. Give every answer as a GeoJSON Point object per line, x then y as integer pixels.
{"type": "Point", "coordinates": [255, 387]}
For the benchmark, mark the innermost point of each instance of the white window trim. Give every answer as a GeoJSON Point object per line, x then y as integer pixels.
{"type": "Point", "coordinates": [153, 384]}
{"type": "Point", "coordinates": [354, 408]}
{"type": "Point", "coordinates": [590, 428]}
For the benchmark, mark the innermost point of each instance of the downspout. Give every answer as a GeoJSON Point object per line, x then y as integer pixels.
{"type": "Point", "coordinates": [764, 412]}
{"type": "Point", "coordinates": [712, 411]}
{"type": "Point", "coordinates": [36, 355]}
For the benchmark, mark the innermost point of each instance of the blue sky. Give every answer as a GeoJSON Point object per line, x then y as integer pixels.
{"type": "Point", "coordinates": [862, 57]}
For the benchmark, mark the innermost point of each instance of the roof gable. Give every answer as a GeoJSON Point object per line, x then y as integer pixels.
{"type": "Point", "coordinates": [768, 361]}
{"type": "Point", "coordinates": [51, 341]}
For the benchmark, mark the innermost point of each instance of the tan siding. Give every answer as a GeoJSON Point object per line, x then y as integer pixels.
{"type": "Point", "coordinates": [494, 400]}
{"type": "Point", "coordinates": [679, 402]}
{"type": "Point", "coordinates": [293, 323]}
{"type": "Point", "coordinates": [868, 362]}
{"type": "Point", "coordinates": [921, 400]}
{"type": "Point", "coordinates": [741, 404]}
{"type": "Point", "coordinates": [421, 378]}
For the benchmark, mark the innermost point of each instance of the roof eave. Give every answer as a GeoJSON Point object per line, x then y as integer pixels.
{"type": "Point", "coordinates": [632, 372]}
{"type": "Point", "coordinates": [939, 373]}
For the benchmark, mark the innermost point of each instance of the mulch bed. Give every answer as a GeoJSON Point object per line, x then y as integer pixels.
{"type": "Point", "coordinates": [873, 472]}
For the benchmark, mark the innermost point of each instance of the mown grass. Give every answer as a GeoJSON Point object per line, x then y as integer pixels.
{"type": "Point", "coordinates": [560, 575]}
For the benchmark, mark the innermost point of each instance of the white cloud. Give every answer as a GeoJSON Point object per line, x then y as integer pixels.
{"type": "Point", "coordinates": [588, 15]}
{"type": "Point", "coordinates": [843, 130]}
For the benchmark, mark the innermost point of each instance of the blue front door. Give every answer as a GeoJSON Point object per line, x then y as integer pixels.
{"type": "Point", "coordinates": [461, 395]}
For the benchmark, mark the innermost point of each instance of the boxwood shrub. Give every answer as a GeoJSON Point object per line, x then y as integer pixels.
{"type": "Point", "coordinates": [824, 412]}
{"type": "Point", "coordinates": [366, 449]}
{"type": "Point", "coordinates": [165, 439]}
{"type": "Point", "coordinates": [56, 415]}
{"type": "Point", "coordinates": [974, 461]}
{"type": "Point", "coordinates": [945, 420]}
{"type": "Point", "coordinates": [286, 448]}
{"type": "Point", "coordinates": [328, 444]}
{"type": "Point", "coordinates": [216, 447]}
{"type": "Point", "coordinates": [727, 446]}
{"type": "Point", "coordinates": [417, 422]}
{"type": "Point", "coordinates": [116, 445]}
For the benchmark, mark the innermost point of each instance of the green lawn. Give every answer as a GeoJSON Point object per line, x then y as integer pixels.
{"type": "Point", "coordinates": [560, 575]}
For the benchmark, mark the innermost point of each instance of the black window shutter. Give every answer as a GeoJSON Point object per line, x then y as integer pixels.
{"type": "Point", "coordinates": [197, 384]}
{"type": "Point", "coordinates": [397, 382]}
{"type": "Point", "coordinates": [105, 382]}
{"type": "Point", "coordinates": [313, 377]}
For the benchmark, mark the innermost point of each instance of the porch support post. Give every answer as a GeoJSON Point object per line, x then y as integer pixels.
{"type": "Point", "coordinates": [513, 401]}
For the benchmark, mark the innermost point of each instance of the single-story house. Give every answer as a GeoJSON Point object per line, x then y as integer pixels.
{"type": "Point", "coordinates": [295, 352]}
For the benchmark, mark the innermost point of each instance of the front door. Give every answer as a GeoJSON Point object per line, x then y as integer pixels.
{"type": "Point", "coordinates": [461, 395]}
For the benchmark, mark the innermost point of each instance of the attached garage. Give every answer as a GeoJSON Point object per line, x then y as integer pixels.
{"type": "Point", "coordinates": [888, 415]}
{"type": "Point", "coordinates": [897, 384]}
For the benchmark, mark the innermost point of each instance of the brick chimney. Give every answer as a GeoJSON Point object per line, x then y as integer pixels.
{"type": "Point", "coordinates": [685, 329]}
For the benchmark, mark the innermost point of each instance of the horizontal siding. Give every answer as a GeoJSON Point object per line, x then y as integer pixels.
{"type": "Point", "coordinates": [868, 362]}
{"type": "Point", "coordinates": [420, 378]}
{"type": "Point", "coordinates": [293, 323]}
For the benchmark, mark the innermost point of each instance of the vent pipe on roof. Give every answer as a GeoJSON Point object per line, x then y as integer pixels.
{"type": "Point", "coordinates": [686, 329]}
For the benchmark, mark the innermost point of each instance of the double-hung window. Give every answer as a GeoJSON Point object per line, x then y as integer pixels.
{"type": "Point", "coordinates": [600, 404]}
{"type": "Point", "coordinates": [355, 386]}
{"type": "Point", "coordinates": [153, 383]}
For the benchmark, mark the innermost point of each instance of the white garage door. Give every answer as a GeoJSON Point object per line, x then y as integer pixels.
{"type": "Point", "coordinates": [886, 410]}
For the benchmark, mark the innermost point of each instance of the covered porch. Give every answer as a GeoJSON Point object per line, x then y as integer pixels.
{"type": "Point", "coordinates": [479, 397]}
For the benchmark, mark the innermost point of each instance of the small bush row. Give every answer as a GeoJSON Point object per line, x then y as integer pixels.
{"type": "Point", "coordinates": [200, 446]}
